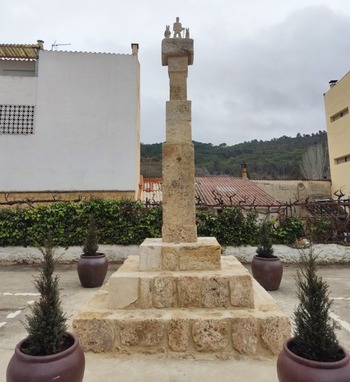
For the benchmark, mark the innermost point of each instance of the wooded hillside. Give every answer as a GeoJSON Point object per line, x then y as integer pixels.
{"type": "Point", "coordinates": [278, 158]}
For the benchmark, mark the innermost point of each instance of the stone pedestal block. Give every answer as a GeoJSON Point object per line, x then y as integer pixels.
{"type": "Point", "coordinates": [177, 47]}
{"type": "Point", "coordinates": [156, 255]}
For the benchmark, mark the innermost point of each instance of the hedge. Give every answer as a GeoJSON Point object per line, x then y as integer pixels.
{"type": "Point", "coordinates": [118, 222]}
{"type": "Point", "coordinates": [125, 222]}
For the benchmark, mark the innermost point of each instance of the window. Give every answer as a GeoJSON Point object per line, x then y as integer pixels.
{"type": "Point", "coordinates": [341, 114]}
{"type": "Point", "coordinates": [16, 119]}
{"type": "Point", "coordinates": [343, 159]}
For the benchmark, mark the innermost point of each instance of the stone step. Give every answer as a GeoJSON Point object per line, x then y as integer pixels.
{"type": "Point", "coordinates": [156, 255]}
{"type": "Point", "coordinates": [229, 287]}
{"type": "Point", "coordinates": [255, 333]}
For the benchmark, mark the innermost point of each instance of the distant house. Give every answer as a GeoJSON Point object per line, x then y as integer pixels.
{"type": "Point", "coordinates": [337, 104]}
{"type": "Point", "coordinates": [217, 192]}
{"type": "Point", "coordinates": [293, 191]}
{"type": "Point", "coordinates": [69, 122]}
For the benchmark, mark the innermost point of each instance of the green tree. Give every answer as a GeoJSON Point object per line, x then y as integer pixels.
{"type": "Point", "coordinates": [314, 336]}
{"type": "Point", "coordinates": [46, 326]}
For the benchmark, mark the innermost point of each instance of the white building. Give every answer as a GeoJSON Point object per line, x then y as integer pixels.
{"type": "Point", "coordinates": [69, 121]}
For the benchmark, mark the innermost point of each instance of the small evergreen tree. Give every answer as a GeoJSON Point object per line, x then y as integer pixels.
{"type": "Point", "coordinates": [314, 336]}
{"type": "Point", "coordinates": [265, 242]}
{"type": "Point", "coordinates": [46, 326]}
{"type": "Point", "coordinates": [91, 241]}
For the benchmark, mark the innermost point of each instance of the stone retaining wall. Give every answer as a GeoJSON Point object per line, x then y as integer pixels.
{"type": "Point", "coordinates": [327, 253]}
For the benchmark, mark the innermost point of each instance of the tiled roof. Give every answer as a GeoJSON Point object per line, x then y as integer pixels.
{"type": "Point", "coordinates": [231, 191]}
{"type": "Point", "coordinates": [23, 52]}
{"type": "Point", "coordinates": [152, 190]}
{"type": "Point", "coordinates": [212, 190]}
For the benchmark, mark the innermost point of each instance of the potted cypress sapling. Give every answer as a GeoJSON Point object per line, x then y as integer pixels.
{"type": "Point", "coordinates": [314, 353]}
{"type": "Point", "coordinates": [92, 266]}
{"type": "Point", "coordinates": [49, 352]}
{"type": "Point", "coordinates": [267, 269]}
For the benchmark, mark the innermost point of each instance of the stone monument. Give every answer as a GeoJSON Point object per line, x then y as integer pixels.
{"type": "Point", "coordinates": [179, 248]}
{"type": "Point", "coordinates": [179, 296]}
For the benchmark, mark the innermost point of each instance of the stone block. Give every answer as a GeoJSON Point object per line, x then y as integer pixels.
{"type": "Point", "coordinates": [146, 299]}
{"type": "Point", "coordinates": [274, 331]}
{"type": "Point", "coordinates": [178, 110]}
{"type": "Point", "coordinates": [150, 256]}
{"type": "Point", "coordinates": [178, 86]}
{"type": "Point", "coordinates": [164, 292]}
{"type": "Point", "coordinates": [178, 131]}
{"type": "Point", "coordinates": [210, 335]}
{"type": "Point", "coordinates": [177, 47]}
{"type": "Point", "coordinates": [204, 255]}
{"type": "Point", "coordinates": [241, 291]}
{"type": "Point", "coordinates": [178, 92]}
{"type": "Point", "coordinates": [215, 292]}
{"type": "Point", "coordinates": [123, 291]}
{"type": "Point", "coordinates": [189, 292]}
{"type": "Point", "coordinates": [146, 332]}
{"type": "Point", "coordinates": [95, 334]}
{"type": "Point", "coordinates": [179, 233]}
{"type": "Point", "coordinates": [245, 335]}
{"type": "Point", "coordinates": [178, 64]}
{"type": "Point", "coordinates": [179, 215]}
{"type": "Point", "coordinates": [170, 259]}
{"type": "Point", "coordinates": [179, 334]}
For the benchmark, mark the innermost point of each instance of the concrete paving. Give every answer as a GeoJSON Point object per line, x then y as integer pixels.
{"type": "Point", "coordinates": [17, 292]}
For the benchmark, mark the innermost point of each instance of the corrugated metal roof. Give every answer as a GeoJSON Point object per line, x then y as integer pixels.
{"type": "Point", "coordinates": [20, 51]}
{"type": "Point", "coordinates": [214, 190]}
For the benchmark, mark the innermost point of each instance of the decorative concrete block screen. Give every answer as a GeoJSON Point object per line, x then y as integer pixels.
{"type": "Point", "coordinates": [16, 119]}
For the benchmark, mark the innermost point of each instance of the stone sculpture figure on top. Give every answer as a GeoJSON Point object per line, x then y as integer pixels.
{"type": "Point", "coordinates": [167, 32]}
{"type": "Point", "coordinates": [177, 28]}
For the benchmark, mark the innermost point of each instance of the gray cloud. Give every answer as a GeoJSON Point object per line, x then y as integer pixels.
{"type": "Point", "coordinates": [260, 68]}
{"type": "Point", "coordinates": [273, 84]}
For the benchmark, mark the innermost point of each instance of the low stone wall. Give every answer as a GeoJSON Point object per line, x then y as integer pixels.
{"type": "Point", "coordinates": [326, 253]}
{"type": "Point", "coordinates": [29, 255]}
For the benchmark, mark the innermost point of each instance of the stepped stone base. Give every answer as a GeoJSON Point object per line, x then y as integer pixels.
{"type": "Point", "coordinates": [226, 331]}
{"type": "Point", "coordinates": [229, 287]}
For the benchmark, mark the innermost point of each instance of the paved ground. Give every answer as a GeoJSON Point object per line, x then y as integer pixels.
{"type": "Point", "coordinates": [17, 292]}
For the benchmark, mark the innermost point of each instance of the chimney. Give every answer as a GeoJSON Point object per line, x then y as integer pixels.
{"type": "Point", "coordinates": [134, 48]}
{"type": "Point", "coordinates": [41, 44]}
{"type": "Point", "coordinates": [332, 83]}
{"type": "Point", "coordinates": [244, 171]}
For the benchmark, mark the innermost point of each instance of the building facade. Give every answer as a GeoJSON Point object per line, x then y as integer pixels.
{"type": "Point", "coordinates": [337, 104]}
{"type": "Point", "coordinates": [69, 121]}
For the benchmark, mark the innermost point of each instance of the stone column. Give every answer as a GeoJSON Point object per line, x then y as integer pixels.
{"type": "Point", "coordinates": [179, 214]}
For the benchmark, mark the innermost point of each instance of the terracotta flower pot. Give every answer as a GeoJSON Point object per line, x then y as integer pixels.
{"type": "Point", "coordinates": [65, 366]}
{"type": "Point", "coordinates": [92, 270]}
{"type": "Point", "coordinates": [292, 368]}
{"type": "Point", "coordinates": [267, 271]}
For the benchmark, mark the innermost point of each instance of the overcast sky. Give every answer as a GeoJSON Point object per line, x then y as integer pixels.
{"type": "Point", "coordinates": [260, 66]}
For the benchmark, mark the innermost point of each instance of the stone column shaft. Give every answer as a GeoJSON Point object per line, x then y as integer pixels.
{"type": "Point", "coordinates": [179, 213]}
